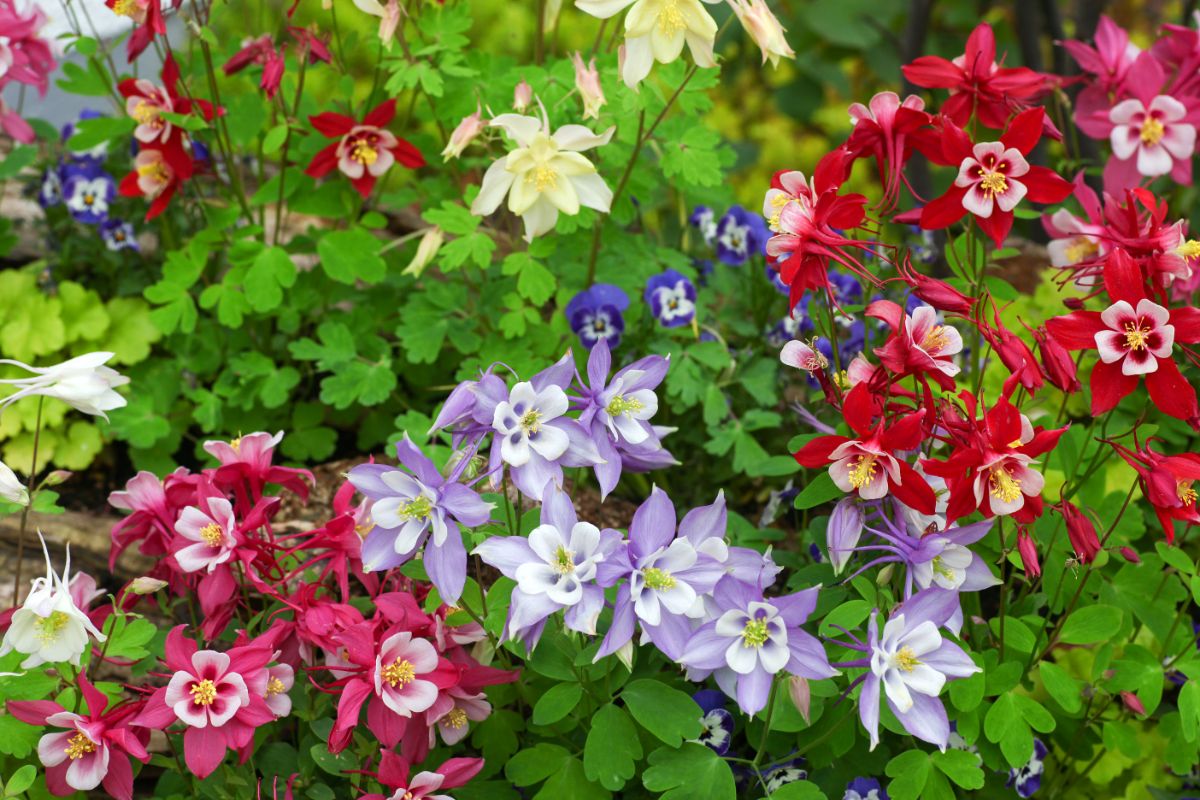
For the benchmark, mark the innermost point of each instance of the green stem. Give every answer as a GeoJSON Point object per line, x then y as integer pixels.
{"type": "Point", "coordinates": [32, 491]}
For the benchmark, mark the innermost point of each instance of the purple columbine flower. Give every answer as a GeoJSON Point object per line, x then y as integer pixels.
{"type": "Point", "coordinates": [555, 569]}
{"type": "Point", "coordinates": [865, 789]}
{"type": "Point", "coordinates": [753, 639]}
{"type": "Point", "coordinates": [87, 191]}
{"type": "Point", "coordinates": [912, 661]}
{"type": "Point", "coordinates": [618, 412]}
{"type": "Point", "coordinates": [672, 298]}
{"type": "Point", "coordinates": [534, 436]}
{"type": "Point", "coordinates": [662, 576]}
{"type": "Point", "coordinates": [741, 235]}
{"type": "Point", "coordinates": [705, 220]}
{"type": "Point", "coordinates": [470, 408]}
{"type": "Point", "coordinates": [596, 314]}
{"type": "Point", "coordinates": [1028, 779]}
{"type": "Point", "coordinates": [423, 507]}
{"type": "Point", "coordinates": [717, 733]}
{"type": "Point", "coordinates": [118, 235]}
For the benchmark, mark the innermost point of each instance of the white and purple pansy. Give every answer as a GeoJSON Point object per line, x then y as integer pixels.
{"type": "Point", "coordinates": [717, 722]}
{"type": "Point", "coordinates": [741, 234]}
{"type": "Point", "coordinates": [118, 235]}
{"type": "Point", "coordinates": [671, 296]}
{"type": "Point", "coordinates": [596, 314]}
{"type": "Point", "coordinates": [1027, 779]}
{"type": "Point", "coordinates": [87, 191]}
{"type": "Point", "coordinates": [865, 789]}
{"type": "Point", "coordinates": [704, 219]}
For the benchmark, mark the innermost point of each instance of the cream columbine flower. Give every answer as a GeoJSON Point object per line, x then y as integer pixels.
{"type": "Point", "coordinates": [544, 175]}
{"type": "Point", "coordinates": [83, 383]}
{"type": "Point", "coordinates": [764, 29]}
{"type": "Point", "coordinates": [656, 30]}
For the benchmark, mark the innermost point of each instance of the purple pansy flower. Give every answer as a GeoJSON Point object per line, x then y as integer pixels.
{"type": "Point", "coordinates": [94, 155]}
{"type": "Point", "coordinates": [752, 639]}
{"type": "Point", "coordinates": [118, 235]}
{"type": "Point", "coordinates": [87, 192]}
{"type": "Point", "coordinates": [418, 507]}
{"type": "Point", "coordinates": [672, 298]}
{"type": "Point", "coordinates": [717, 721]}
{"type": "Point", "coordinates": [50, 188]}
{"type": "Point", "coordinates": [618, 412]}
{"type": "Point", "coordinates": [776, 776]}
{"type": "Point", "coordinates": [1028, 779]}
{"type": "Point", "coordinates": [555, 569]}
{"type": "Point", "coordinates": [596, 314]}
{"type": "Point", "coordinates": [865, 789]}
{"type": "Point", "coordinates": [741, 234]}
{"type": "Point", "coordinates": [704, 220]}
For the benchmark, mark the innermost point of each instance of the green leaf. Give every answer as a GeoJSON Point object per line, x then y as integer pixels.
{"type": "Point", "coordinates": [271, 272]}
{"type": "Point", "coordinates": [961, 767]}
{"type": "Point", "coordinates": [1189, 710]}
{"type": "Point", "coordinates": [359, 382]}
{"type": "Point", "coordinates": [1066, 691]}
{"type": "Point", "coordinates": [1091, 624]}
{"type": "Point", "coordinates": [333, 764]}
{"type": "Point", "coordinates": [909, 772]}
{"type": "Point", "coordinates": [819, 490]}
{"type": "Point", "coordinates": [275, 138]}
{"type": "Point", "coordinates": [798, 790]}
{"type": "Point", "coordinates": [666, 712]}
{"type": "Point", "coordinates": [613, 749]}
{"type": "Point", "coordinates": [16, 737]}
{"type": "Point", "coordinates": [98, 130]}
{"type": "Point", "coordinates": [351, 255]}
{"type": "Point", "coordinates": [556, 703]}
{"type": "Point", "coordinates": [1175, 557]}
{"type": "Point", "coordinates": [535, 764]}
{"type": "Point", "coordinates": [21, 780]}
{"type": "Point", "coordinates": [571, 781]}
{"type": "Point", "coordinates": [127, 637]}
{"type": "Point", "coordinates": [692, 772]}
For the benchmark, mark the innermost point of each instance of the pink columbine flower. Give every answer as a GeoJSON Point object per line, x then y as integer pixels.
{"type": "Point", "coordinates": [145, 105]}
{"type": "Point", "coordinates": [1136, 338]}
{"type": "Point", "coordinates": [587, 82]}
{"type": "Point", "coordinates": [989, 175]}
{"type": "Point", "coordinates": [470, 127]}
{"type": "Point", "coordinates": [1157, 134]}
{"type": "Point", "coordinates": [250, 458]}
{"type": "Point", "coordinates": [400, 668]}
{"type": "Point", "coordinates": [394, 774]}
{"type": "Point", "coordinates": [803, 356]}
{"type": "Point", "coordinates": [280, 680]}
{"type": "Point", "coordinates": [522, 97]}
{"type": "Point", "coordinates": [212, 533]}
{"type": "Point", "coordinates": [463, 707]}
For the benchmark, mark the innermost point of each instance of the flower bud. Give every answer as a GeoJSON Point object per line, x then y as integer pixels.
{"type": "Point", "coordinates": [764, 29]}
{"type": "Point", "coordinates": [843, 532]}
{"type": "Point", "coordinates": [470, 127]}
{"type": "Point", "coordinates": [1060, 366]}
{"type": "Point", "coordinates": [1073, 303]}
{"type": "Point", "coordinates": [1133, 703]}
{"type": "Point", "coordinates": [885, 575]}
{"type": "Point", "coordinates": [1029, 554]}
{"type": "Point", "coordinates": [1081, 531]}
{"type": "Point", "coordinates": [801, 696]}
{"type": "Point", "coordinates": [522, 96]}
{"type": "Point", "coordinates": [550, 14]}
{"type": "Point", "coordinates": [57, 477]}
{"type": "Point", "coordinates": [936, 293]}
{"type": "Point", "coordinates": [587, 82]}
{"type": "Point", "coordinates": [624, 654]}
{"type": "Point", "coordinates": [1130, 555]}
{"type": "Point", "coordinates": [427, 249]}
{"type": "Point", "coordinates": [146, 585]}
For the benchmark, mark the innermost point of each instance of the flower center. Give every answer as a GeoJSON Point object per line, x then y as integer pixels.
{"type": "Point", "coordinates": [203, 693]}
{"type": "Point", "coordinates": [79, 746]}
{"type": "Point", "coordinates": [670, 19]}
{"type": "Point", "coordinates": [542, 178]}
{"type": "Point", "coordinates": [236, 445]}
{"type": "Point", "coordinates": [146, 114]}
{"type": "Point", "coordinates": [399, 673]}
{"type": "Point", "coordinates": [1004, 486]}
{"type": "Point", "coordinates": [1152, 130]}
{"type": "Point", "coordinates": [455, 718]}
{"type": "Point", "coordinates": [417, 508]}
{"type": "Point", "coordinates": [906, 660]}
{"type": "Point", "coordinates": [935, 339]}
{"type": "Point", "coordinates": [564, 561]}
{"type": "Point", "coordinates": [993, 183]}
{"type": "Point", "coordinates": [275, 686]}
{"type": "Point", "coordinates": [1189, 249]}
{"type": "Point", "coordinates": [623, 405]}
{"type": "Point", "coordinates": [1187, 495]}
{"type": "Point", "coordinates": [48, 627]}
{"type": "Point", "coordinates": [863, 471]}
{"type": "Point", "coordinates": [155, 171]}
{"type": "Point", "coordinates": [212, 534]}
{"type": "Point", "coordinates": [1136, 335]}
{"type": "Point", "coordinates": [754, 634]}
{"type": "Point", "coordinates": [364, 153]}
{"type": "Point", "coordinates": [531, 422]}
{"type": "Point", "coordinates": [125, 8]}
{"type": "Point", "coordinates": [1081, 248]}
{"type": "Point", "coordinates": [940, 568]}
{"type": "Point", "coordinates": [658, 579]}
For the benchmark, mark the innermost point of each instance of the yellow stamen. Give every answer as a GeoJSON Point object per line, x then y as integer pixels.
{"type": "Point", "coordinates": [417, 508]}
{"type": "Point", "coordinates": [935, 339]}
{"type": "Point", "coordinates": [1081, 249]}
{"type": "Point", "coordinates": [863, 471]}
{"type": "Point", "coordinates": [212, 534]}
{"type": "Point", "coordinates": [125, 8]}
{"type": "Point", "coordinates": [1187, 495]}
{"type": "Point", "coordinates": [156, 171]}
{"type": "Point", "coordinates": [564, 561]}
{"type": "Point", "coordinates": [275, 686]}
{"type": "Point", "coordinates": [623, 405]}
{"type": "Point", "coordinates": [532, 421]}
{"type": "Point", "coordinates": [755, 633]}
{"type": "Point", "coordinates": [1189, 249]}
{"type": "Point", "coordinates": [399, 673]}
{"type": "Point", "coordinates": [1152, 130]}
{"type": "Point", "coordinates": [1004, 486]}
{"type": "Point", "coordinates": [364, 153]}
{"type": "Point", "coordinates": [146, 114]}
{"type": "Point", "coordinates": [49, 627]}
{"type": "Point", "coordinates": [79, 746]}
{"type": "Point", "coordinates": [670, 20]}
{"type": "Point", "coordinates": [236, 445]}
{"type": "Point", "coordinates": [906, 659]}
{"type": "Point", "coordinates": [994, 183]}
{"type": "Point", "coordinates": [455, 718]}
{"type": "Point", "coordinates": [1136, 336]}
{"type": "Point", "coordinates": [940, 568]}
{"type": "Point", "coordinates": [658, 579]}
{"type": "Point", "coordinates": [204, 693]}
{"type": "Point", "coordinates": [542, 178]}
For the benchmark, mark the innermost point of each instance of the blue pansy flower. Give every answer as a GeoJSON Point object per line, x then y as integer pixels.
{"type": "Point", "coordinates": [50, 189]}
{"type": "Point", "coordinates": [865, 789]}
{"type": "Point", "coordinates": [95, 154]}
{"type": "Point", "coordinates": [596, 313]}
{"type": "Point", "coordinates": [741, 234]}
{"type": "Point", "coordinates": [1028, 778]}
{"type": "Point", "coordinates": [704, 220]}
{"type": "Point", "coordinates": [87, 191]}
{"type": "Point", "coordinates": [118, 235]}
{"type": "Point", "coordinates": [717, 721]}
{"type": "Point", "coordinates": [672, 298]}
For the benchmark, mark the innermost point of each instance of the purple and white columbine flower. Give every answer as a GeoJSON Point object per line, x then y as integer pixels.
{"type": "Point", "coordinates": [618, 412]}
{"type": "Point", "coordinates": [741, 234]}
{"type": "Point", "coordinates": [118, 235]}
{"type": "Point", "coordinates": [88, 191]}
{"type": "Point", "coordinates": [753, 639]}
{"type": "Point", "coordinates": [1028, 779]}
{"type": "Point", "coordinates": [717, 721]}
{"type": "Point", "coordinates": [705, 220]}
{"type": "Point", "coordinates": [912, 661]}
{"type": "Point", "coordinates": [596, 314]}
{"type": "Point", "coordinates": [423, 507]}
{"type": "Point", "coordinates": [672, 298]}
{"type": "Point", "coordinates": [865, 789]}
{"type": "Point", "coordinates": [534, 436]}
{"type": "Point", "coordinates": [661, 576]}
{"type": "Point", "coordinates": [555, 569]}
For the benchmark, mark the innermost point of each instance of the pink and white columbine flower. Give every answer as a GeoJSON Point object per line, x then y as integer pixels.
{"type": "Point", "coordinates": [146, 107]}
{"type": "Point", "coordinates": [939, 342]}
{"type": "Point", "coordinates": [400, 670]}
{"type": "Point", "coordinates": [465, 707]}
{"type": "Point", "coordinates": [865, 468]}
{"type": "Point", "coordinates": [1006, 480]}
{"type": "Point", "coordinates": [1135, 337]}
{"type": "Point", "coordinates": [989, 175]}
{"type": "Point", "coordinates": [213, 534]}
{"type": "Point", "coordinates": [804, 356]}
{"type": "Point", "coordinates": [280, 679]}
{"type": "Point", "coordinates": [1157, 134]}
{"type": "Point", "coordinates": [208, 693]}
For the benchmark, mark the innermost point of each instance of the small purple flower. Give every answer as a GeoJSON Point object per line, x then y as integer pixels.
{"type": "Point", "coordinates": [596, 314]}
{"type": "Point", "coordinates": [87, 191]}
{"type": "Point", "coordinates": [776, 280]}
{"type": "Point", "coordinates": [50, 189]}
{"type": "Point", "coordinates": [705, 221]}
{"type": "Point", "coordinates": [752, 639]}
{"type": "Point", "coordinates": [717, 721]}
{"type": "Point", "coordinates": [785, 330]}
{"type": "Point", "coordinates": [118, 235]}
{"type": "Point", "coordinates": [1028, 779]}
{"type": "Point", "coordinates": [672, 298]}
{"type": "Point", "coordinates": [704, 270]}
{"type": "Point", "coordinates": [865, 789]}
{"type": "Point", "coordinates": [776, 776]}
{"type": "Point", "coordinates": [555, 569]}
{"type": "Point", "coordinates": [96, 154]}
{"type": "Point", "coordinates": [741, 234]}
{"type": "Point", "coordinates": [423, 507]}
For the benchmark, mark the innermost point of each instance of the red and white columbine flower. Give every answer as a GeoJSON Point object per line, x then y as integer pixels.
{"type": "Point", "coordinates": [280, 680]}
{"type": "Point", "coordinates": [1157, 134]}
{"type": "Point", "coordinates": [990, 176]}
{"type": "Point", "coordinates": [363, 150]}
{"type": "Point", "coordinates": [922, 343]}
{"type": "Point", "coordinates": [401, 670]}
{"type": "Point", "coordinates": [212, 532]}
{"type": "Point", "coordinates": [1135, 337]}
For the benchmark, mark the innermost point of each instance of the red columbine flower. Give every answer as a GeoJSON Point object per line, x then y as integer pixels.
{"type": "Point", "coordinates": [978, 85]}
{"type": "Point", "coordinates": [1029, 553]}
{"type": "Point", "coordinates": [1080, 530]}
{"type": "Point", "coordinates": [394, 774]}
{"type": "Point", "coordinates": [1012, 351]}
{"type": "Point", "coordinates": [1168, 482]}
{"type": "Point", "coordinates": [993, 177]}
{"type": "Point", "coordinates": [145, 104]}
{"type": "Point", "coordinates": [882, 129]}
{"type": "Point", "coordinates": [1056, 360]}
{"type": "Point", "coordinates": [157, 174]}
{"type": "Point", "coordinates": [1135, 337]}
{"type": "Point", "coordinates": [364, 151]}
{"type": "Point", "coordinates": [868, 466]}
{"type": "Point", "coordinates": [919, 345]}
{"type": "Point", "coordinates": [936, 293]}
{"type": "Point", "coordinates": [147, 16]}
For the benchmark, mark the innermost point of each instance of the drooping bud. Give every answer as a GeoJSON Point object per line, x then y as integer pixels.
{"type": "Point", "coordinates": [801, 695]}
{"type": "Point", "coordinates": [884, 576]}
{"type": "Point", "coordinates": [146, 585]}
{"type": "Point", "coordinates": [522, 96]}
{"type": "Point", "coordinates": [57, 477]}
{"type": "Point", "coordinates": [1081, 530]}
{"type": "Point", "coordinates": [843, 531]}
{"type": "Point", "coordinates": [427, 249]}
{"type": "Point", "coordinates": [1029, 554]}
{"type": "Point", "coordinates": [1130, 555]}
{"type": "Point", "coordinates": [1133, 703]}
{"type": "Point", "coordinates": [936, 293]}
{"type": "Point", "coordinates": [470, 127]}
{"type": "Point", "coordinates": [764, 28]}
{"type": "Point", "coordinates": [587, 82]}
{"type": "Point", "coordinates": [1060, 366]}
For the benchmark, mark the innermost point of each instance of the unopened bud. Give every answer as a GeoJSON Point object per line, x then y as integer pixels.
{"type": "Point", "coordinates": [146, 585]}
{"type": "Point", "coordinates": [884, 576]}
{"type": "Point", "coordinates": [1029, 554]}
{"type": "Point", "coordinates": [57, 477]}
{"type": "Point", "coordinates": [1133, 703]}
{"type": "Point", "coordinates": [427, 249]}
{"type": "Point", "coordinates": [625, 655]}
{"type": "Point", "coordinates": [801, 695]}
{"type": "Point", "coordinates": [1130, 555]}
{"type": "Point", "coordinates": [470, 127]}
{"type": "Point", "coordinates": [522, 96]}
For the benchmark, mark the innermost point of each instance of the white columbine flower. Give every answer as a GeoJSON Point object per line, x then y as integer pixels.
{"type": "Point", "coordinates": [83, 383]}
{"type": "Point", "coordinates": [897, 661]}
{"type": "Point", "coordinates": [49, 627]}
{"type": "Point", "coordinates": [657, 30]}
{"type": "Point", "coordinates": [521, 420]}
{"type": "Point", "coordinates": [564, 566]}
{"type": "Point", "coordinates": [12, 489]}
{"type": "Point", "coordinates": [545, 174]}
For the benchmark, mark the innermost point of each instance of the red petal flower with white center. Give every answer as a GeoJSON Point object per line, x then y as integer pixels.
{"type": "Point", "coordinates": [1136, 338]}
{"type": "Point", "coordinates": [804, 356]}
{"type": "Point", "coordinates": [792, 187]}
{"type": "Point", "coordinates": [920, 343]}
{"type": "Point", "coordinates": [1004, 482]}
{"type": "Point", "coordinates": [145, 105]}
{"type": "Point", "coordinates": [1157, 134]}
{"type": "Point", "coordinates": [990, 177]}
{"type": "Point", "coordinates": [209, 694]}
{"type": "Point", "coordinates": [364, 150]}
{"type": "Point", "coordinates": [863, 468]}
{"type": "Point", "coordinates": [399, 669]}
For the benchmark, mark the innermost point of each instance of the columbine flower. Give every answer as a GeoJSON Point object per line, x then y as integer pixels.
{"type": "Point", "coordinates": [882, 128]}
{"type": "Point", "coordinates": [88, 192]}
{"type": "Point", "coordinates": [363, 150]}
{"type": "Point", "coordinates": [921, 344]}
{"type": "Point", "coordinates": [804, 356]}
{"type": "Point", "coordinates": [656, 30]}
{"type": "Point", "coordinates": [12, 489]}
{"type": "Point", "coordinates": [403, 669]}
{"type": "Point", "coordinates": [427, 249]}
{"type": "Point", "coordinates": [212, 534]}
{"type": "Point", "coordinates": [587, 83]}
{"type": "Point", "coordinates": [470, 127]}
{"type": "Point", "coordinates": [595, 314]}
{"type": "Point", "coordinates": [1155, 135]}
{"type": "Point", "coordinates": [555, 569]}
{"type": "Point", "coordinates": [48, 627]}
{"type": "Point", "coordinates": [422, 507]}
{"type": "Point", "coordinates": [394, 774]}
{"type": "Point", "coordinates": [466, 707]}
{"type": "Point", "coordinates": [544, 175]}
{"type": "Point", "coordinates": [741, 235]}
{"type": "Point", "coordinates": [158, 172]}
{"type": "Point", "coordinates": [522, 97]}
{"type": "Point", "coordinates": [764, 29]}
{"type": "Point", "coordinates": [118, 235]}
{"type": "Point", "coordinates": [752, 639]}
{"type": "Point", "coordinates": [1027, 779]}
{"type": "Point", "coordinates": [83, 383]}
{"type": "Point", "coordinates": [388, 12]}
{"type": "Point", "coordinates": [672, 298]}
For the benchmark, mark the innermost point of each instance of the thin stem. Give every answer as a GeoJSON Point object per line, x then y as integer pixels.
{"type": "Point", "coordinates": [32, 491]}
{"type": "Point", "coordinates": [762, 742]}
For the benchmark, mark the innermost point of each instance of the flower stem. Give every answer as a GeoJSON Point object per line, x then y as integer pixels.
{"type": "Point", "coordinates": [762, 742]}
{"type": "Point", "coordinates": [32, 491]}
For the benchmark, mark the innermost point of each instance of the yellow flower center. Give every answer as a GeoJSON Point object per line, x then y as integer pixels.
{"type": "Point", "coordinates": [1136, 335]}
{"type": "Point", "coordinates": [417, 508]}
{"type": "Point", "coordinates": [1004, 486]}
{"type": "Point", "coordinates": [670, 19]}
{"type": "Point", "coordinates": [623, 405]}
{"type": "Point", "coordinates": [754, 634]}
{"type": "Point", "coordinates": [455, 718]}
{"type": "Point", "coordinates": [994, 183]}
{"type": "Point", "coordinates": [1152, 130]}
{"type": "Point", "coordinates": [79, 746]}
{"type": "Point", "coordinates": [212, 534]}
{"type": "Point", "coordinates": [1080, 249]}
{"type": "Point", "coordinates": [155, 171]}
{"type": "Point", "coordinates": [364, 153]}
{"type": "Point", "coordinates": [906, 659]}
{"type": "Point", "coordinates": [236, 445]}
{"type": "Point", "coordinates": [48, 627]}
{"type": "Point", "coordinates": [125, 8]}
{"type": "Point", "coordinates": [275, 686]}
{"type": "Point", "coordinates": [935, 339]}
{"type": "Point", "coordinates": [532, 421]}
{"type": "Point", "coordinates": [399, 673]}
{"type": "Point", "coordinates": [658, 579]}
{"type": "Point", "coordinates": [203, 693]}
{"type": "Point", "coordinates": [564, 561]}
{"type": "Point", "coordinates": [1189, 249]}
{"type": "Point", "coordinates": [542, 178]}
{"type": "Point", "coordinates": [940, 568]}
{"type": "Point", "coordinates": [863, 471]}
{"type": "Point", "coordinates": [1187, 495]}
{"type": "Point", "coordinates": [146, 114]}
